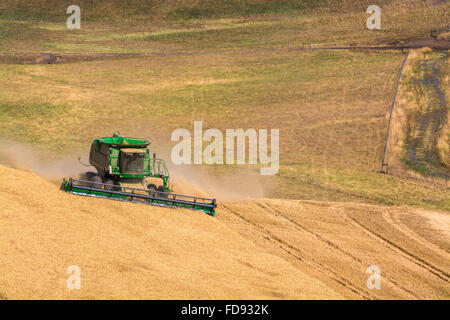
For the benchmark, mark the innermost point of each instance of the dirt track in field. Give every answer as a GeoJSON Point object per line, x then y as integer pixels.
{"type": "Point", "coordinates": [269, 248]}
{"type": "Point", "coordinates": [422, 149]}
{"type": "Point", "coordinates": [70, 57]}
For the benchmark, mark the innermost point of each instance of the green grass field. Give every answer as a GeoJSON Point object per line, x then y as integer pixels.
{"type": "Point", "coordinates": [331, 106]}
{"type": "Point", "coordinates": [196, 25]}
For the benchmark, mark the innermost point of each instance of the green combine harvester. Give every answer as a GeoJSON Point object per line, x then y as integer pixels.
{"type": "Point", "coordinates": [126, 172]}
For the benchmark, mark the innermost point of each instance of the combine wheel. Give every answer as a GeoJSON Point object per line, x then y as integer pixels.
{"type": "Point", "coordinates": [95, 178]}
{"type": "Point", "coordinates": [109, 181]}
{"type": "Point", "coordinates": [87, 176]}
{"type": "Point", "coordinates": [151, 189]}
{"type": "Point", "coordinates": [162, 194]}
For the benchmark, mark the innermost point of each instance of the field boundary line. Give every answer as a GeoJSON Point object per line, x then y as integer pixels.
{"type": "Point", "coordinates": [395, 47]}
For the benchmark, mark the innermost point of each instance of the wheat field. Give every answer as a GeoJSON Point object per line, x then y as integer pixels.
{"type": "Point", "coordinates": [147, 68]}
{"type": "Point", "coordinates": [259, 249]}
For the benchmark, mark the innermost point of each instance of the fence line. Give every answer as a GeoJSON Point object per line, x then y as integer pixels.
{"type": "Point", "coordinates": [238, 50]}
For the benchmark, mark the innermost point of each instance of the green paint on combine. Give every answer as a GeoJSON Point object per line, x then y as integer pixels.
{"type": "Point", "coordinates": [126, 172]}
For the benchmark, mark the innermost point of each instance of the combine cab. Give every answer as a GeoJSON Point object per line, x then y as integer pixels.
{"type": "Point", "coordinates": [126, 172]}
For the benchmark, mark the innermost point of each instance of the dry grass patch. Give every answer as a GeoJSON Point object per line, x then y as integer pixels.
{"type": "Point", "coordinates": [443, 139]}
{"type": "Point", "coordinates": [128, 251]}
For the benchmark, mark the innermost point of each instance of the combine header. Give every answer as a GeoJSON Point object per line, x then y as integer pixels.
{"type": "Point", "coordinates": [126, 172]}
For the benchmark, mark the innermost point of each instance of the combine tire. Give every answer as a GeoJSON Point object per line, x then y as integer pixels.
{"type": "Point", "coordinates": [162, 194]}
{"type": "Point", "coordinates": [109, 188]}
{"type": "Point", "coordinates": [151, 189]}
{"type": "Point", "coordinates": [96, 178]}
{"type": "Point", "coordinates": [87, 176]}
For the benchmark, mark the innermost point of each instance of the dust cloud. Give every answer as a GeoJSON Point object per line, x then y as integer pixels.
{"type": "Point", "coordinates": [22, 156]}
{"type": "Point", "coordinates": [231, 185]}
{"type": "Point", "coordinates": [224, 184]}
{"type": "Point", "coordinates": [234, 185]}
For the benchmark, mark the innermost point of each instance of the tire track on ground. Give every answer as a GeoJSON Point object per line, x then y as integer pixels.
{"type": "Point", "coordinates": [396, 223]}
{"type": "Point", "coordinates": [441, 274]}
{"type": "Point", "coordinates": [333, 245]}
{"type": "Point", "coordinates": [301, 256]}
{"type": "Point", "coordinates": [299, 227]}
{"type": "Point", "coordinates": [422, 149]}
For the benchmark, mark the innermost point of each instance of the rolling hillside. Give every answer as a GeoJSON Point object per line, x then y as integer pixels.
{"type": "Point", "coordinates": [147, 68]}
{"type": "Point", "coordinates": [274, 249]}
